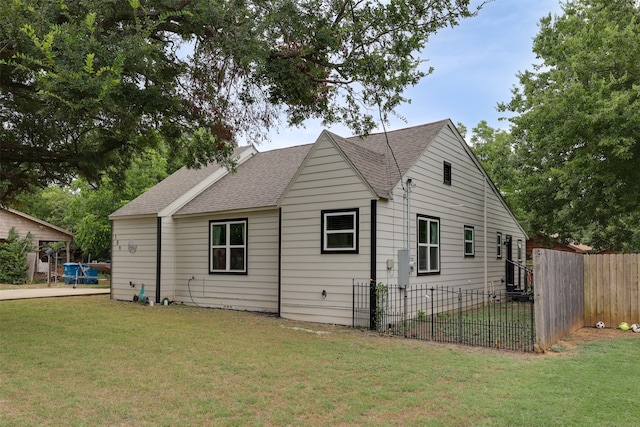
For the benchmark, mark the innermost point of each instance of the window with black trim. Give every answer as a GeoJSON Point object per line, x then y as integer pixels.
{"type": "Point", "coordinates": [447, 173]}
{"type": "Point", "coordinates": [340, 231]}
{"type": "Point", "coordinates": [228, 246]}
{"type": "Point", "coordinates": [469, 241]}
{"type": "Point", "coordinates": [428, 245]}
{"type": "Point", "coordinates": [498, 244]}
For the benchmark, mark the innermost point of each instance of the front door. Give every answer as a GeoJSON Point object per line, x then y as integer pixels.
{"type": "Point", "coordinates": [509, 273]}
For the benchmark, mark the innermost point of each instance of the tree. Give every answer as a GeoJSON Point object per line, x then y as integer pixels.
{"type": "Point", "coordinates": [91, 207]}
{"type": "Point", "coordinates": [494, 148]}
{"type": "Point", "coordinates": [84, 209]}
{"type": "Point", "coordinates": [13, 257]}
{"type": "Point", "coordinates": [85, 85]}
{"type": "Point", "coordinates": [577, 124]}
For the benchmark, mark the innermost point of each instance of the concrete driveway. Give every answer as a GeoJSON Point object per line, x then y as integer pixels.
{"type": "Point", "coordinates": [12, 294]}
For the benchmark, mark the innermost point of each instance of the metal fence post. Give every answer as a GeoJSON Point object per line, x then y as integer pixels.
{"type": "Point", "coordinates": [432, 313]}
{"type": "Point", "coordinates": [353, 302]}
{"type": "Point", "coordinates": [373, 312]}
{"type": "Point", "coordinates": [404, 315]}
{"type": "Point", "coordinates": [459, 315]}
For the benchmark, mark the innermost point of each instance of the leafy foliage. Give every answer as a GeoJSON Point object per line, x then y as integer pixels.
{"type": "Point", "coordinates": [84, 209]}
{"type": "Point", "coordinates": [86, 85]}
{"type": "Point", "coordinates": [13, 257]}
{"type": "Point", "coordinates": [494, 149]}
{"type": "Point", "coordinates": [577, 125]}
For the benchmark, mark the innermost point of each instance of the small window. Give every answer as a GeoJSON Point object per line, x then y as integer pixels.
{"type": "Point", "coordinates": [340, 231]}
{"type": "Point", "coordinates": [519, 251]}
{"type": "Point", "coordinates": [499, 245]}
{"type": "Point", "coordinates": [469, 245]}
{"type": "Point", "coordinates": [428, 245]}
{"type": "Point", "coordinates": [447, 173]}
{"type": "Point", "coordinates": [228, 246]}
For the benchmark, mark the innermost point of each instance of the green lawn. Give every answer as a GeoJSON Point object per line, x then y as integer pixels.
{"type": "Point", "coordinates": [90, 361]}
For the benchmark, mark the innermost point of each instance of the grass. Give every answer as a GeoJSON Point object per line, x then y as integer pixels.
{"type": "Point", "coordinates": [88, 361]}
{"type": "Point", "coordinates": [504, 325]}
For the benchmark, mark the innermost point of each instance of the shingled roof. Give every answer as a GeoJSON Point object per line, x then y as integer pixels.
{"type": "Point", "coordinates": [258, 183]}
{"type": "Point", "coordinates": [169, 190]}
{"type": "Point", "coordinates": [381, 159]}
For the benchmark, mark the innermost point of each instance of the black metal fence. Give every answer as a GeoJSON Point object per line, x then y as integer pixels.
{"type": "Point", "coordinates": [445, 314]}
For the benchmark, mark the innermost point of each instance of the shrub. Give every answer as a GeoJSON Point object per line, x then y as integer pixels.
{"type": "Point", "coordinates": [13, 257]}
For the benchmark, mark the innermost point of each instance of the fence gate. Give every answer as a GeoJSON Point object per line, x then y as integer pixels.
{"type": "Point", "coordinates": [446, 314]}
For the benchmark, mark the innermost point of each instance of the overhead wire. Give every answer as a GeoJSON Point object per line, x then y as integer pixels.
{"type": "Point", "coordinates": [378, 101]}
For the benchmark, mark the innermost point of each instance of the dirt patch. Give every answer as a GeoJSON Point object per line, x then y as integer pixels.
{"type": "Point", "coordinates": [569, 344]}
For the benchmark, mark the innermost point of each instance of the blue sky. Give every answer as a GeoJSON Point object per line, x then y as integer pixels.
{"type": "Point", "coordinates": [476, 65]}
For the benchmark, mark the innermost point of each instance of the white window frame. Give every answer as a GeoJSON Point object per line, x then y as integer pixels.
{"type": "Point", "coordinates": [326, 232]}
{"type": "Point", "coordinates": [520, 250]}
{"type": "Point", "coordinates": [499, 244]}
{"type": "Point", "coordinates": [472, 253]}
{"type": "Point", "coordinates": [228, 247]}
{"type": "Point", "coordinates": [428, 246]}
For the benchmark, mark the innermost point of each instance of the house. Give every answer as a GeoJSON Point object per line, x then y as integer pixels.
{"type": "Point", "coordinates": [43, 235]}
{"type": "Point", "coordinates": [552, 242]}
{"type": "Point", "coordinates": [294, 228]}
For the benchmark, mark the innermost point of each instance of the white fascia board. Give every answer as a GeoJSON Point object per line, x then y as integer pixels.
{"type": "Point", "coordinates": [204, 184]}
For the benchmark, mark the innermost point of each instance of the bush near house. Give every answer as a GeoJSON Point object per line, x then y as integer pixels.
{"type": "Point", "coordinates": [13, 257]}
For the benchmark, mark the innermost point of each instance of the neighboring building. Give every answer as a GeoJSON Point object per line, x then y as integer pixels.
{"type": "Point", "coordinates": [292, 230]}
{"type": "Point", "coordinates": [552, 242]}
{"type": "Point", "coordinates": [43, 234]}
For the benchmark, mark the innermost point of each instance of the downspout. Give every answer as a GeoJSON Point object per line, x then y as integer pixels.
{"type": "Point", "coordinates": [111, 271]}
{"type": "Point", "coordinates": [486, 273]}
{"type": "Point", "coordinates": [409, 219]}
{"type": "Point", "coordinates": [404, 324]}
{"type": "Point", "coordinates": [279, 261]}
{"type": "Point", "coordinates": [158, 258]}
{"type": "Point", "coordinates": [374, 243]}
{"type": "Point", "coordinates": [373, 309]}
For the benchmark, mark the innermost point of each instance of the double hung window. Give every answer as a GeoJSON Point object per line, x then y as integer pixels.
{"type": "Point", "coordinates": [228, 246]}
{"type": "Point", "coordinates": [428, 245]}
{"type": "Point", "coordinates": [469, 244]}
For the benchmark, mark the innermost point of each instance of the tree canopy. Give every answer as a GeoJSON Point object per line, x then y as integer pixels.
{"type": "Point", "coordinates": [84, 85]}
{"type": "Point", "coordinates": [84, 209]}
{"type": "Point", "coordinates": [577, 124]}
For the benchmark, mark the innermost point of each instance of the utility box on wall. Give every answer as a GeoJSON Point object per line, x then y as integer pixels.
{"type": "Point", "coordinates": [403, 268]}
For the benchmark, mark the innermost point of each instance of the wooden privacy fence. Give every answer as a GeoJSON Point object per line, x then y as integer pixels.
{"type": "Point", "coordinates": [575, 290]}
{"type": "Point", "coordinates": [611, 289]}
{"type": "Point", "coordinates": [558, 294]}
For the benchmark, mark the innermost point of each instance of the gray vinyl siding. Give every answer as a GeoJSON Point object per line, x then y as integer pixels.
{"type": "Point", "coordinates": [138, 267]}
{"type": "Point", "coordinates": [255, 291]}
{"type": "Point", "coordinates": [325, 182]}
{"type": "Point", "coordinates": [168, 261]}
{"type": "Point", "coordinates": [431, 197]}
